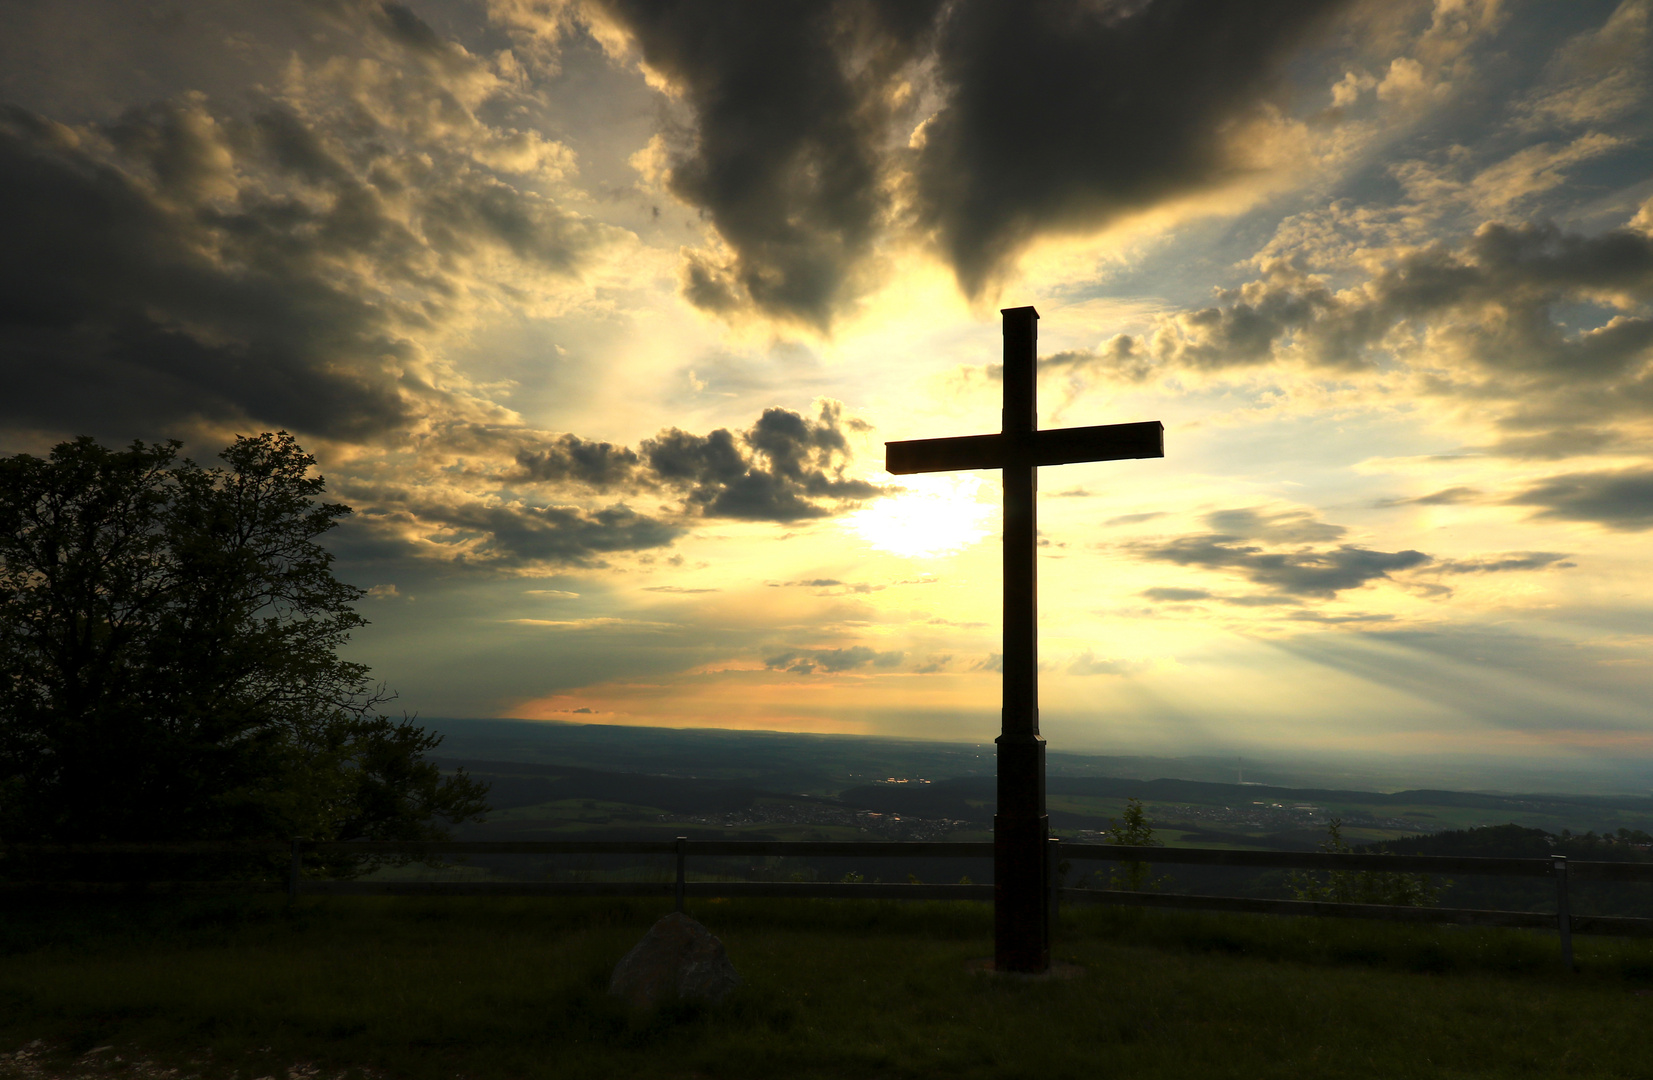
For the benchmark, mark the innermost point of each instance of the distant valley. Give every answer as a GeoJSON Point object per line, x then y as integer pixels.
{"type": "Point", "coordinates": [566, 780]}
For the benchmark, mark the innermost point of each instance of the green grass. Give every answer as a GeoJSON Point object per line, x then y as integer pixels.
{"type": "Point", "coordinates": [515, 988]}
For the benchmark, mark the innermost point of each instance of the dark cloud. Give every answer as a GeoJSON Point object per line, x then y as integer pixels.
{"type": "Point", "coordinates": [790, 116]}
{"type": "Point", "coordinates": [503, 537]}
{"type": "Point", "coordinates": [117, 310]}
{"type": "Point", "coordinates": [1176, 596]}
{"type": "Point", "coordinates": [571, 459]}
{"type": "Point", "coordinates": [1279, 527]}
{"type": "Point", "coordinates": [1280, 551]}
{"type": "Point", "coordinates": [1318, 574]}
{"type": "Point", "coordinates": [1054, 117]}
{"type": "Point", "coordinates": [1512, 562]}
{"type": "Point", "coordinates": [1622, 501]}
{"type": "Point", "coordinates": [1062, 116]}
{"type": "Point", "coordinates": [808, 661]}
{"type": "Point", "coordinates": [271, 263]}
{"type": "Point", "coordinates": [1559, 442]}
{"type": "Point", "coordinates": [785, 467]}
{"type": "Point", "coordinates": [1134, 519]}
{"type": "Point", "coordinates": [1299, 572]}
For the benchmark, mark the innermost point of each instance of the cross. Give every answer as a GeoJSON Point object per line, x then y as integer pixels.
{"type": "Point", "coordinates": [1021, 875]}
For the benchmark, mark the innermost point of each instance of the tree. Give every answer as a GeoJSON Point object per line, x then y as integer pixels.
{"type": "Point", "coordinates": [169, 664]}
{"type": "Point", "coordinates": [1132, 830]}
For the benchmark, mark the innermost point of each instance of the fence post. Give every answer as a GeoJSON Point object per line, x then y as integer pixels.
{"type": "Point", "coordinates": [294, 869]}
{"type": "Point", "coordinates": [1563, 911]}
{"type": "Point", "coordinates": [682, 850]}
{"type": "Point", "coordinates": [1053, 864]}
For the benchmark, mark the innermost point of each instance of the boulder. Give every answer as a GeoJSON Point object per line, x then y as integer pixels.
{"type": "Point", "coordinates": [677, 958]}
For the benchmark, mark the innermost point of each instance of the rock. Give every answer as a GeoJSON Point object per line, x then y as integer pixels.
{"type": "Point", "coordinates": [677, 958]}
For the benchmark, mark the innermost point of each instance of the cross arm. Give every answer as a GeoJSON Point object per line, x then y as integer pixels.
{"type": "Point", "coordinates": [1058, 446]}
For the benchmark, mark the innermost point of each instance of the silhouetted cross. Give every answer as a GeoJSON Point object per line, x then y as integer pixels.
{"type": "Point", "coordinates": [1021, 908]}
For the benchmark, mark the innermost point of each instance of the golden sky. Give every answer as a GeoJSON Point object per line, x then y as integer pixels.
{"type": "Point", "coordinates": [599, 314]}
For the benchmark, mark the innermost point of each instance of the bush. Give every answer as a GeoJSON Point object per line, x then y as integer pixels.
{"type": "Point", "coordinates": [1365, 886]}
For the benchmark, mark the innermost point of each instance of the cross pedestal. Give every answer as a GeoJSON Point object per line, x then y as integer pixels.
{"type": "Point", "coordinates": [1021, 909]}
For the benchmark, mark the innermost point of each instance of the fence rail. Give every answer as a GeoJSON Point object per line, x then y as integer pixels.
{"type": "Point", "coordinates": [1557, 868]}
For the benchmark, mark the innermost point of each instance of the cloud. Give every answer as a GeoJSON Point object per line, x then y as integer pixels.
{"type": "Point", "coordinates": [563, 500]}
{"type": "Point", "coordinates": [1176, 596]}
{"type": "Point", "coordinates": [831, 661]}
{"type": "Point", "coordinates": [1621, 501]}
{"type": "Point", "coordinates": [1337, 620]}
{"type": "Point", "coordinates": [784, 468]}
{"type": "Point", "coordinates": [1134, 519]}
{"type": "Point", "coordinates": [1290, 559]}
{"type": "Point", "coordinates": [292, 259]}
{"type": "Point", "coordinates": [1317, 574]}
{"type": "Point", "coordinates": [115, 308]}
{"type": "Point", "coordinates": [1131, 106]}
{"type": "Point", "coordinates": [783, 147]}
{"type": "Point", "coordinates": [1598, 76]}
{"type": "Point", "coordinates": [600, 623]}
{"type": "Point", "coordinates": [397, 525]}
{"type": "Point", "coordinates": [1278, 527]}
{"type": "Point", "coordinates": [1086, 663]}
{"type": "Point", "coordinates": [1514, 561]}
{"type": "Point", "coordinates": [1485, 303]}
{"type": "Point", "coordinates": [808, 136]}
{"type": "Point", "coordinates": [835, 587]}
{"type": "Point", "coordinates": [1299, 572]}
{"type": "Point", "coordinates": [517, 534]}
{"type": "Point", "coordinates": [571, 459]}
{"type": "Point", "coordinates": [1445, 497]}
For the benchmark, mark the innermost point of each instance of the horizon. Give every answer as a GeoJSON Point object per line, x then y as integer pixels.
{"type": "Point", "coordinates": [599, 315]}
{"type": "Point", "coordinates": [1386, 774]}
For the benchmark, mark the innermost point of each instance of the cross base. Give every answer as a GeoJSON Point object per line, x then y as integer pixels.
{"type": "Point", "coordinates": [1021, 902]}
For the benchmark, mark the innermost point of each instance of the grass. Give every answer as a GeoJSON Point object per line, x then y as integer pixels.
{"type": "Point", "coordinates": [515, 988]}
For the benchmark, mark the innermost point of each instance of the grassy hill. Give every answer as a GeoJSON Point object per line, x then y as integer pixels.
{"type": "Point", "coordinates": [507, 989]}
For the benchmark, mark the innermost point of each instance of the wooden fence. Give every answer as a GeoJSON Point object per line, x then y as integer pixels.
{"type": "Point", "coordinates": [1558, 869]}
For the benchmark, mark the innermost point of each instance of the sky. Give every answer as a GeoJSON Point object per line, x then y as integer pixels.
{"type": "Point", "coordinates": [599, 313]}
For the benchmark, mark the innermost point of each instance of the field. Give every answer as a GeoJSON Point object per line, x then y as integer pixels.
{"type": "Point", "coordinates": [489, 989]}
{"type": "Point", "coordinates": [554, 781]}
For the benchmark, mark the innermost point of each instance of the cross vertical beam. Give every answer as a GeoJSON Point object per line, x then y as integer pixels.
{"type": "Point", "coordinates": [1021, 911]}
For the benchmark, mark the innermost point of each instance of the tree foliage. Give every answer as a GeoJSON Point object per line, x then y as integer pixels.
{"type": "Point", "coordinates": [169, 665]}
{"type": "Point", "coordinates": [1363, 886]}
{"type": "Point", "coordinates": [1133, 830]}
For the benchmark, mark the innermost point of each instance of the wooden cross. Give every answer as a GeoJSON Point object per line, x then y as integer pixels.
{"type": "Point", "coordinates": [1021, 876]}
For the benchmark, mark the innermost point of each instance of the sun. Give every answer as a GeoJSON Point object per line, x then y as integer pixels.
{"type": "Point", "coordinates": [934, 515]}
